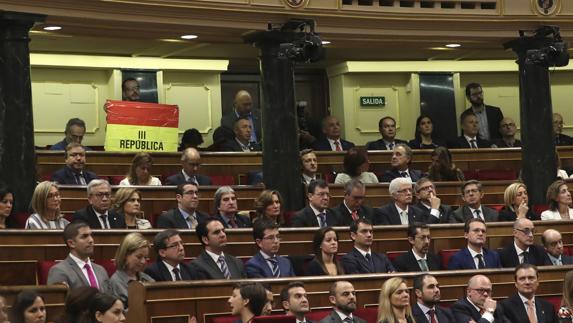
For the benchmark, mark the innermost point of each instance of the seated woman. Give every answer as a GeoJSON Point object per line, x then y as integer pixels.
{"type": "Point", "coordinates": [28, 307]}
{"type": "Point", "coordinates": [442, 169]}
{"type": "Point", "coordinates": [127, 202]}
{"type": "Point", "coordinates": [516, 207]}
{"type": "Point", "coordinates": [248, 300]}
{"type": "Point", "coordinates": [139, 172]}
{"type": "Point", "coordinates": [268, 206]}
{"type": "Point", "coordinates": [566, 310]}
{"type": "Point", "coordinates": [325, 246]}
{"type": "Point", "coordinates": [77, 300]}
{"type": "Point", "coordinates": [130, 260]}
{"type": "Point", "coordinates": [394, 302]}
{"type": "Point", "coordinates": [559, 199]}
{"type": "Point", "coordinates": [191, 138]}
{"type": "Point", "coordinates": [104, 308]}
{"type": "Point", "coordinates": [46, 205]}
{"type": "Point", "coordinates": [423, 136]}
{"type": "Point", "coordinates": [6, 205]}
{"type": "Point", "coordinates": [356, 165]}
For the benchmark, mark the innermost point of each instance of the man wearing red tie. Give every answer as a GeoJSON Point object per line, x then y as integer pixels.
{"type": "Point", "coordinates": [331, 128]}
{"type": "Point", "coordinates": [352, 207]}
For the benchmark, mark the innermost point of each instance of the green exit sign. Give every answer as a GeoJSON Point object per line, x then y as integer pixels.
{"type": "Point", "coordinates": [372, 101]}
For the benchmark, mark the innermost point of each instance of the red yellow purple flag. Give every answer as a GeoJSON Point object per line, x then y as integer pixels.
{"type": "Point", "coordinates": [140, 126]}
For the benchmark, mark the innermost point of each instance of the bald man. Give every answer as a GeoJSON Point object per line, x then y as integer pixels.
{"type": "Point", "coordinates": [560, 139]}
{"type": "Point", "coordinates": [507, 129]}
{"type": "Point", "coordinates": [523, 249]}
{"type": "Point", "coordinates": [553, 244]}
{"type": "Point", "coordinates": [243, 108]}
{"type": "Point", "coordinates": [190, 163]}
{"type": "Point", "coordinates": [478, 306]}
{"type": "Point", "coordinates": [331, 129]}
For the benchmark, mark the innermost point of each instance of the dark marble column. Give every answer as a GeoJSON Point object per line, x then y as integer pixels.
{"type": "Point", "coordinates": [17, 157]}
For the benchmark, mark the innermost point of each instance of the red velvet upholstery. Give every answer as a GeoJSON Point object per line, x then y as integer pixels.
{"type": "Point", "coordinates": [555, 300]}
{"type": "Point", "coordinates": [470, 174]}
{"type": "Point", "coordinates": [539, 208]}
{"type": "Point", "coordinates": [220, 180]}
{"type": "Point", "coordinates": [114, 180]}
{"type": "Point", "coordinates": [223, 319]}
{"type": "Point", "coordinates": [108, 264]}
{"type": "Point", "coordinates": [370, 314]}
{"type": "Point", "coordinates": [568, 250]}
{"type": "Point", "coordinates": [393, 254]}
{"type": "Point", "coordinates": [496, 174]}
{"type": "Point", "coordinates": [274, 318]}
{"type": "Point", "coordinates": [445, 256]}
{"type": "Point", "coordinates": [20, 219]}
{"type": "Point", "coordinates": [317, 315]}
{"type": "Point", "coordinates": [497, 207]}
{"type": "Point", "coordinates": [288, 216]}
{"type": "Point", "coordinates": [43, 269]}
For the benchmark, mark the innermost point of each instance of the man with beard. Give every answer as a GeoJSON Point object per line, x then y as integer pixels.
{"type": "Point", "coordinates": [478, 306]}
{"type": "Point", "coordinates": [74, 173]}
{"type": "Point", "coordinates": [523, 250]}
{"type": "Point", "coordinates": [343, 298]}
{"type": "Point", "coordinates": [430, 204]}
{"type": "Point", "coordinates": [295, 301]}
{"type": "Point", "coordinates": [170, 256]}
{"type": "Point", "coordinates": [489, 116]}
{"type": "Point", "coordinates": [426, 309]}
{"type": "Point", "coordinates": [418, 258]}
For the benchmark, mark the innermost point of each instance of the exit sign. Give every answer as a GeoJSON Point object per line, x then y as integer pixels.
{"type": "Point", "coordinates": [372, 101]}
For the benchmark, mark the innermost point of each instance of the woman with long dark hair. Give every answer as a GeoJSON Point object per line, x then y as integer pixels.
{"type": "Point", "coordinates": [356, 165]}
{"type": "Point", "coordinates": [325, 246]}
{"type": "Point", "coordinates": [442, 168]}
{"type": "Point", "coordinates": [28, 307]}
{"type": "Point", "coordinates": [423, 136]}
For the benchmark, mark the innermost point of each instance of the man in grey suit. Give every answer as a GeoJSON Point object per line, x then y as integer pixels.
{"type": "Point", "coordinates": [553, 244]}
{"type": "Point", "coordinates": [343, 298]}
{"type": "Point", "coordinates": [213, 262]}
{"type": "Point", "coordinates": [472, 195]}
{"type": "Point", "coordinates": [77, 270]}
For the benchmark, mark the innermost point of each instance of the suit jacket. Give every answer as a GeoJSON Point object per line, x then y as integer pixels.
{"type": "Point", "coordinates": [381, 145]}
{"type": "Point", "coordinates": [407, 262]}
{"type": "Point", "coordinates": [494, 117]}
{"type": "Point", "coordinates": [233, 145]}
{"type": "Point", "coordinates": [506, 214]}
{"type": "Point", "coordinates": [514, 310]}
{"type": "Point", "coordinates": [333, 317]}
{"type": "Point", "coordinates": [502, 144]}
{"type": "Point", "coordinates": [174, 219]}
{"type": "Point", "coordinates": [68, 271]}
{"type": "Point", "coordinates": [563, 140]}
{"type": "Point", "coordinates": [324, 145]}
{"type": "Point", "coordinates": [242, 221]}
{"type": "Point", "coordinates": [462, 214]}
{"type": "Point", "coordinates": [463, 259]}
{"type": "Point", "coordinates": [464, 312]}
{"type": "Point", "coordinates": [88, 215]}
{"type": "Point", "coordinates": [306, 218]}
{"type": "Point", "coordinates": [567, 260]}
{"type": "Point", "coordinates": [444, 315]}
{"type": "Point", "coordinates": [159, 272]}
{"type": "Point", "coordinates": [446, 213]}
{"type": "Point", "coordinates": [355, 263]}
{"type": "Point", "coordinates": [537, 256]}
{"type": "Point", "coordinates": [461, 142]}
{"type": "Point", "coordinates": [180, 179]}
{"type": "Point", "coordinates": [205, 265]}
{"type": "Point", "coordinates": [388, 215]}
{"type": "Point", "coordinates": [345, 217]}
{"type": "Point", "coordinates": [229, 119]}
{"type": "Point", "coordinates": [390, 174]}
{"type": "Point", "coordinates": [257, 267]}
{"type": "Point", "coordinates": [65, 176]}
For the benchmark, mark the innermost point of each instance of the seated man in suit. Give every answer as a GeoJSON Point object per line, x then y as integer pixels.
{"type": "Point", "coordinates": [489, 116]}
{"type": "Point", "coordinates": [431, 205]}
{"type": "Point", "coordinates": [478, 306]}
{"type": "Point", "coordinates": [74, 173]}
{"type": "Point", "coordinates": [213, 262]}
{"type": "Point", "coordinates": [170, 265]}
{"type": "Point", "coordinates": [190, 162]}
{"type": "Point", "coordinates": [427, 308]}
{"type": "Point", "coordinates": [185, 215]}
{"type": "Point", "coordinates": [524, 306]}
{"type": "Point", "coordinates": [309, 165]}
{"type": "Point", "coordinates": [400, 161]}
{"type": "Point", "coordinates": [75, 131]}
{"type": "Point", "coordinates": [267, 262]}
{"type": "Point", "coordinates": [226, 205]}
{"type": "Point", "coordinates": [507, 129]}
{"type": "Point", "coordinates": [523, 250]}
{"type": "Point", "coordinates": [387, 128]}
{"type": "Point", "coordinates": [352, 207]}
{"type": "Point", "coordinates": [241, 142]}
{"type": "Point", "coordinates": [472, 195]}
{"type": "Point", "coordinates": [331, 129]}
{"type": "Point", "coordinates": [342, 296]}
{"type": "Point", "coordinates": [77, 270]}
{"type": "Point", "coordinates": [295, 302]}
{"type": "Point", "coordinates": [470, 133]}
{"type": "Point", "coordinates": [419, 258]}
{"type": "Point", "coordinates": [398, 211]}
{"type": "Point", "coordinates": [317, 213]}
{"type": "Point", "coordinates": [553, 244]}
{"type": "Point", "coordinates": [243, 108]}
{"type": "Point", "coordinates": [98, 214]}
{"type": "Point", "coordinates": [361, 259]}
{"type": "Point", "coordinates": [474, 255]}
{"type": "Point", "coordinates": [560, 139]}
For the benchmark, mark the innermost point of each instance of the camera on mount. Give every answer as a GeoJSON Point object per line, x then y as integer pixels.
{"type": "Point", "coordinates": [305, 45]}
{"type": "Point", "coordinates": [552, 50]}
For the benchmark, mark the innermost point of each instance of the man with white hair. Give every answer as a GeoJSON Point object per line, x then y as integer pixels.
{"type": "Point", "coordinates": [227, 210]}
{"type": "Point", "coordinates": [98, 213]}
{"type": "Point", "coordinates": [399, 211]}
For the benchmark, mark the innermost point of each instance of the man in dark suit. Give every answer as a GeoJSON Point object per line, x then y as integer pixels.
{"type": "Point", "coordinates": [400, 161]}
{"type": "Point", "coordinates": [419, 258]}
{"type": "Point", "coordinates": [241, 142]}
{"type": "Point", "coordinates": [489, 116]}
{"type": "Point", "coordinates": [213, 262]}
{"type": "Point", "coordinates": [523, 249]}
{"type": "Point", "coordinates": [427, 309]}
{"type": "Point", "coordinates": [170, 265]}
{"type": "Point", "coordinates": [332, 130]}
{"type": "Point", "coordinates": [317, 213]}
{"type": "Point", "coordinates": [472, 195]}
{"type": "Point", "coordinates": [399, 210]}
{"type": "Point", "coordinates": [352, 207]}
{"type": "Point", "coordinates": [185, 215]}
{"type": "Point", "coordinates": [98, 214]}
{"type": "Point", "coordinates": [74, 173]}
{"type": "Point", "coordinates": [309, 165]}
{"type": "Point", "coordinates": [77, 270]}
{"type": "Point", "coordinates": [295, 301]}
{"type": "Point", "coordinates": [478, 306]}
{"type": "Point", "coordinates": [226, 205]}
{"type": "Point", "coordinates": [190, 163]}
{"type": "Point", "coordinates": [243, 108]}
{"type": "Point", "coordinates": [553, 244]}
{"type": "Point", "coordinates": [507, 129]}
{"type": "Point", "coordinates": [361, 259]}
{"type": "Point", "coordinates": [560, 139]}
{"type": "Point", "coordinates": [524, 306]}
{"type": "Point", "coordinates": [387, 128]}
{"type": "Point", "coordinates": [430, 204]}
{"type": "Point", "coordinates": [474, 255]}
{"type": "Point", "coordinates": [266, 262]}
{"type": "Point", "coordinates": [342, 296]}
{"type": "Point", "coordinates": [470, 133]}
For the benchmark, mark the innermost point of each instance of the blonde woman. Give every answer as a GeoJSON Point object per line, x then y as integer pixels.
{"type": "Point", "coordinates": [46, 205]}
{"type": "Point", "coordinates": [139, 172]}
{"type": "Point", "coordinates": [127, 202]}
{"type": "Point", "coordinates": [394, 302]}
{"type": "Point", "coordinates": [516, 204]}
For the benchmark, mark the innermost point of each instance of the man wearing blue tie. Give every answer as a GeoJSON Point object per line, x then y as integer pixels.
{"type": "Point", "coordinates": [267, 262]}
{"type": "Point", "coordinates": [317, 213]}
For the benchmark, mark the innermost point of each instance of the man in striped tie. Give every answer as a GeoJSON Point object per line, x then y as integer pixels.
{"type": "Point", "coordinates": [267, 262]}
{"type": "Point", "coordinates": [352, 207]}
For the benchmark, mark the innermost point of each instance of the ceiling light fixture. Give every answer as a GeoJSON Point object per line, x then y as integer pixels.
{"type": "Point", "coordinates": [52, 28]}
{"type": "Point", "coordinates": [453, 45]}
{"type": "Point", "coordinates": [189, 37]}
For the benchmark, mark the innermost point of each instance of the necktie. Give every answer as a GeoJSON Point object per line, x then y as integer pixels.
{"type": "Point", "coordinates": [322, 218]}
{"type": "Point", "coordinates": [191, 222]}
{"type": "Point", "coordinates": [348, 319]}
{"type": "Point", "coordinates": [370, 263]}
{"type": "Point", "coordinates": [478, 214]}
{"type": "Point", "coordinates": [431, 314]}
{"type": "Point", "coordinates": [404, 217]}
{"type": "Point", "coordinates": [176, 273]}
{"type": "Point", "coordinates": [557, 262]}
{"type": "Point", "coordinates": [481, 264]}
{"type": "Point", "coordinates": [193, 179]}
{"type": "Point", "coordinates": [404, 174]}
{"type": "Point", "coordinates": [473, 143]}
{"type": "Point", "coordinates": [391, 146]}
{"type": "Point", "coordinates": [224, 267]}
{"type": "Point", "coordinates": [531, 311]}
{"type": "Point", "coordinates": [275, 266]}
{"type": "Point", "coordinates": [354, 215]}
{"type": "Point", "coordinates": [525, 255]}
{"type": "Point", "coordinates": [233, 223]}
{"type": "Point", "coordinates": [80, 180]}
{"type": "Point", "coordinates": [423, 264]}
{"type": "Point", "coordinates": [91, 276]}
{"type": "Point", "coordinates": [104, 221]}
{"type": "Point", "coordinates": [337, 146]}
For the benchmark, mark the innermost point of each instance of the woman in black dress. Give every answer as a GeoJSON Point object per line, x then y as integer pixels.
{"type": "Point", "coordinates": [325, 246]}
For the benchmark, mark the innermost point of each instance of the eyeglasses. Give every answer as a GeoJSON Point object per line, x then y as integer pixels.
{"type": "Point", "coordinates": [175, 244]}
{"type": "Point", "coordinates": [191, 193]}
{"type": "Point", "coordinates": [405, 190]}
{"type": "Point", "coordinates": [53, 196]}
{"type": "Point", "coordinates": [273, 238]}
{"type": "Point", "coordinates": [426, 189]}
{"type": "Point", "coordinates": [527, 231]}
{"type": "Point", "coordinates": [101, 195]}
{"type": "Point", "coordinates": [483, 290]}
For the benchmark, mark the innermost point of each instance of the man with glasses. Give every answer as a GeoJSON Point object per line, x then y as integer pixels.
{"type": "Point", "coordinates": [553, 244]}
{"type": "Point", "coordinates": [474, 255]}
{"type": "Point", "coordinates": [478, 305]}
{"type": "Point", "coordinates": [98, 214]}
{"type": "Point", "coordinates": [399, 211]}
{"type": "Point", "coordinates": [472, 195]}
{"type": "Point", "coordinates": [361, 259]}
{"type": "Point", "coordinates": [489, 116]}
{"type": "Point", "coordinates": [352, 207]}
{"type": "Point", "coordinates": [507, 129]}
{"type": "Point", "coordinates": [185, 215]}
{"type": "Point", "coordinates": [74, 173]}
{"type": "Point", "coordinates": [430, 204]}
{"type": "Point", "coordinates": [267, 263]}
{"type": "Point", "coordinates": [419, 258]}
{"type": "Point", "coordinates": [523, 250]}
{"type": "Point", "coordinates": [190, 162]}
{"type": "Point", "coordinates": [170, 265]}
{"type": "Point", "coordinates": [317, 213]}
